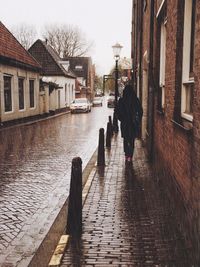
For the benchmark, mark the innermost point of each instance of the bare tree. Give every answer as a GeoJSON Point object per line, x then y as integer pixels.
{"type": "Point", "coordinates": [67, 40]}
{"type": "Point", "coordinates": [25, 34]}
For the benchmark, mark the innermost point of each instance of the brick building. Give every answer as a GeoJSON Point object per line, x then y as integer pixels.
{"type": "Point", "coordinates": [85, 72]}
{"type": "Point", "coordinates": [166, 74]}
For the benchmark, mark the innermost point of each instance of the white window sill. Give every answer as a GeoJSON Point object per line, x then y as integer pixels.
{"type": "Point", "coordinates": [187, 116]}
{"type": "Point", "coordinates": [188, 81]}
{"type": "Point", "coordinates": [8, 112]}
{"type": "Point", "coordinates": [185, 125]}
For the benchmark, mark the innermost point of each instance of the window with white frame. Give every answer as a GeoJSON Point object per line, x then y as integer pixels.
{"type": "Point", "coordinates": [188, 57]}
{"type": "Point", "coordinates": [65, 92]}
{"type": "Point", "coordinates": [69, 93]}
{"type": "Point", "coordinates": [78, 67]}
{"type": "Point", "coordinates": [7, 93]}
{"type": "Point", "coordinates": [162, 62]}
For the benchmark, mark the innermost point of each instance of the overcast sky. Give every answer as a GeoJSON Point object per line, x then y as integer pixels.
{"type": "Point", "coordinates": [104, 22]}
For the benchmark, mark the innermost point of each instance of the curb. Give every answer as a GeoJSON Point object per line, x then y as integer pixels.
{"type": "Point", "coordinates": [33, 121]}
{"type": "Point", "coordinates": [59, 251]}
{"type": "Point", "coordinates": [56, 229]}
{"type": "Point", "coordinates": [64, 240]}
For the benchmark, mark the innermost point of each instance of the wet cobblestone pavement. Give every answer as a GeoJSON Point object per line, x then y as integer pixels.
{"type": "Point", "coordinates": [35, 166]}
{"type": "Point", "coordinates": [124, 220]}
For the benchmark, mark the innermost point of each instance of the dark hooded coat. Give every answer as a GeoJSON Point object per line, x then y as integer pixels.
{"type": "Point", "coordinates": [129, 113]}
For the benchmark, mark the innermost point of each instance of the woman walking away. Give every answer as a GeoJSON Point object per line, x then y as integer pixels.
{"type": "Point", "coordinates": [129, 113]}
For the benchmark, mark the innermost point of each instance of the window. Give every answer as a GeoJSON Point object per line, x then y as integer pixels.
{"type": "Point", "coordinates": [31, 93]}
{"type": "Point", "coordinates": [145, 5]}
{"type": "Point", "coordinates": [192, 38]}
{"type": "Point", "coordinates": [78, 67]}
{"type": "Point", "coordinates": [162, 57]}
{"type": "Point", "coordinates": [188, 60]}
{"type": "Point", "coordinates": [65, 92]}
{"type": "Point", "coordinates": [21, 92]}
{"type": "Point", "coordinates": [7, 93]}
{"type": "Point", "coordinates": [189, 88]}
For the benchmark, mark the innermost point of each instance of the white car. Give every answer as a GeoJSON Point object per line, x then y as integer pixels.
{"type": "Point", "coordinates": [97, 101]}
{"type": "Point", "coordinates": [111, 102]}
{"type": "Point", "coordinates": [80, 105]}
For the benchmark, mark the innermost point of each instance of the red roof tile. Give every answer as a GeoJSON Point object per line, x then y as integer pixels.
{"type": "Point", "coordinates": [10, 48]}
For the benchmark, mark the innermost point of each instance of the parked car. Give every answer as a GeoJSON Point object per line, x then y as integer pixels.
{"type": "Point", "coordinates": [97, 101]}
{"type": "Point", "coordinates": [80, 105]}
{"type": "Point", "coordinates": [99, 94]}
{"type": "Point", "coordinates": [111, 102]}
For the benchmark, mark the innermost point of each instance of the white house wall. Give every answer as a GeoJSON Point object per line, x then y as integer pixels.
{"type": "Point", "coordinates": [62, 81]}
{"type": "Point", "coordinates": [16, 113]}
{"type": "Point", "coordinates": [44, 100]}
{"type": "Point", "coordinates": [53, 100]}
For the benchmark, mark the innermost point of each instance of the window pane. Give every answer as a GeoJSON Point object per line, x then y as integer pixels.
{"type": "Point", "coordinates": [161, 95]}
{"type": "Point", "coordinates": [31, 90]}
{"type": "Point", "coordinates": [21, 93]}
{"type": "Point", "coordinates": [65, 92]}
{"type": "Point", "coordinates": [192, 37]}
{"type": "Point", "coordinates": [189, 98]}
{"type": "Point", "coordinates": [7, 93]}
{"type": "Point", "coordinates": [78, 67]}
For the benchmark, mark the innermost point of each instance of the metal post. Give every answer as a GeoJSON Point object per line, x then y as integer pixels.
{"type": "Point", "coordinates": [103, 85]}
{"type": "Point", "coordinates": [111, 124]}
{"type": "Point", "coordinates": [108, 135]}
{"type": "Point", "coordinates": [101, 149]}
{"type": "Point", "coordinates": [115, 121]}
{"type": "Point", "coordinates": [74, 218]}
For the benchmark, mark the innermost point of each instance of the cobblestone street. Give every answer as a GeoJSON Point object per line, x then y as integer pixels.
{"type": "Point", "coordinates": [124, 220]}
{"type": "Point", "coordinates": [35, 166]}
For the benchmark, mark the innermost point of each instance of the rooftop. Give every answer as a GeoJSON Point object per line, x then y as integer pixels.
{"type": "Point", "coordinates": [11, 51]}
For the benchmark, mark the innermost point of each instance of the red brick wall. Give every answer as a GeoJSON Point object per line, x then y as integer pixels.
{"type": "Point", "coordinates": [195, 190]}
{"type": "Point", "coordinates": [177, 151]}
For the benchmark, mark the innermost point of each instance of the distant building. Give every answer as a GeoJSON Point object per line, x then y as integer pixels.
{"type": "Point", "coordinates": [55, 70]}
{"type": "Point", "coordinates": [166, 75]}
{"type": "Point", "coordinates": [85, 72]}
{"type": "Point", "coordinates": [125, 68]}
{"type": "Point", "coordinates": [19, 79]}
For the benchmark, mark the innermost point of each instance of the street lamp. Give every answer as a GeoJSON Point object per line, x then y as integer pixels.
{"type": "Point", "coordinates": [116, 51]}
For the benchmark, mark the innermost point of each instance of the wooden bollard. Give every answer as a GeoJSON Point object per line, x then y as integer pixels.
{"type": "Point", "coordinates": [108, 135]}
{"type": "Point", "coordinates": [74, 219]}
{"type": "Point", "coordinates": [101, 149]}
{"type": "Point", "coordinates": [111, 124]}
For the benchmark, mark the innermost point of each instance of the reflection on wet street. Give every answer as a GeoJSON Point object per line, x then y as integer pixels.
{"type": "Point", "coordinates": [36, 158]}
{"type": "Point", "coordinates": [125, 221]}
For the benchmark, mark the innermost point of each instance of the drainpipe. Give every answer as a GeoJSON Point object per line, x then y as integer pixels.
{"type": "Point", "coordinates": [133, 42]}
{"type": "Point", "coordinates": [141, 50]}
{"type": "Point", "coordinates": [150, 123]}
{"type": "Point", "coordinates": [136, 43]}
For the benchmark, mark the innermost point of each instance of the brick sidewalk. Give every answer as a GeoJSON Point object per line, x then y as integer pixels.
{"type": "Point", "coordinates": [124, 220]}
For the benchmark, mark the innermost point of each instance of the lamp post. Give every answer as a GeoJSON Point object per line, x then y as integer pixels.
{"type": "Point", "coordinates": [116, 51]}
